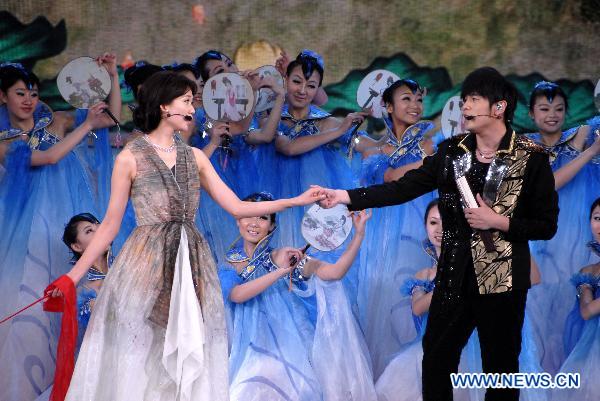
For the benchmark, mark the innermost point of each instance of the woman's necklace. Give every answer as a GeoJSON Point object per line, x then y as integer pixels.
{"type": "Point", "coordinates": [487, 155]}
{"type": "Point", "coordinates": [162, 148]}
{"type": "Point", "coordinates": [95, 274]}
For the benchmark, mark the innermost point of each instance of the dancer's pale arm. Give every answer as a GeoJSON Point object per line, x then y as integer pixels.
{"type": "Point", "coordinates": [123, 173]}
{"type": "Point", "coordinates": [229, 201]}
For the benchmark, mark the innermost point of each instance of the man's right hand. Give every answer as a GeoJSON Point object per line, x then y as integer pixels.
{"type": "Point", "coordinates": [333, 197]}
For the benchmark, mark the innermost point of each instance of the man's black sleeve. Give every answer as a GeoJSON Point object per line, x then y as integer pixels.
{"type": "Point", "coordinates": [536, 216]}
{"type": "Point", "coordinates": [413, 184]}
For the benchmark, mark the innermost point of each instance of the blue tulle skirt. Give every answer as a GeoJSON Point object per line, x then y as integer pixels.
{"type": "Point", "coordinates": [35, 205]}
{"type": "Point", "coordinates": [235, 168]}
{"type": "Point", "coordinates": [561, 257]}
{"type": "Point", "coordinates": [326, 166]}
{"type": "Point", "coordinates": [585, 360]}
{"type": "Point", "coordinates": [280, 350]}
{"type": "Point", "coordinates": [391, 253]}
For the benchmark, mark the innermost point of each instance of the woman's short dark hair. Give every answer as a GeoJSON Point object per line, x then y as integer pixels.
{"type": "Point", "coordinates": [261, 197]}
{"type": "Point", "coordinates": [488, 83]}
{"type": "Point", "coordinates": [70, 233]}
{"type": "Point", "coordinates": [136, 75]}
{"type": "Point", "coordinates": [160, 89]}
{"type": "Point", "coordinates": [308, 64]}
{"type": "Point", "coordinates": [549, 90]}
{"type": "Point", "coordinates": [388, 94]}
{"type": "Point", "coordinates": [181, 67]}
{"type": "Point", "coordinates": [430, 206]}
{"type": "Point", "coordinates": [11, 73]}
{"type": "Point", "coordinates": [201, 62]}
{"type": "Point", "coordinates": [594, 205]}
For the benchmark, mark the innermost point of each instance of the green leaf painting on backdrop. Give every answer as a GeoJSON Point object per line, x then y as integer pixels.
{"type": "Point", "coordinates": [28, 43]}
{"type": "Point", "coordinates": [342, 95]}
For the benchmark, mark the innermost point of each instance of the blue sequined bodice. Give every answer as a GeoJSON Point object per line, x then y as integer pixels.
{"type": "Point", "coordinates": [39, 136]}
{"type": "Point", "coordinates": [42, 140]}
{"type": "Point", "coordinates": [260, 263]}
{"type": "Point", "coordinates": [409, 144]}
{"type": "Point", "coordinates": [560, 149]}
{"type": "Point", "coordinates": [587, 279]}
{"type": "Point", "coordinates": [299, 128]}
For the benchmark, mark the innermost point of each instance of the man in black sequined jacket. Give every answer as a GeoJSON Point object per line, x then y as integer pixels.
{"type": "Point", "coordinates": [483, 271]}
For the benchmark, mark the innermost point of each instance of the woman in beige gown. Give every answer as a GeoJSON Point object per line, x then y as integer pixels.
{"type": "Point", "coordinates": [158, 328]}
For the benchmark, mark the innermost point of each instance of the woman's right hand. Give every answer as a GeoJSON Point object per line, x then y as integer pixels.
{"type": "Point", "coordinates": [310, 196]}
{"type": "Point", "coordinates": [58, 293]}
{"type": "Point", "coordinates": [282, 63]}
{"type": "Point", "coordinates": [596, 144]}
{"type": "Point", "coordinates": [353, 118]}
{"type": "Point", "coordinates": [109, 61]}
{"type": "Point", "coordinates": [217, 131]}
{"type": "Point", "coordinates": [253, 78]}
{"type": "Point", "coordinates": [96, 118]}
{"type": "Point", "coordinates": [55, 293]}
{"type": "Point", "coordinates": [271, 83]}
{"type": "Point", "coordinates": [359, 220]}
{"type": "Point", "coordinates": [285, 257]}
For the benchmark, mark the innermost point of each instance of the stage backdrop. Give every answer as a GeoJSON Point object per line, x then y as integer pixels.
{"type": "Point", "coordinates": [438, 41]}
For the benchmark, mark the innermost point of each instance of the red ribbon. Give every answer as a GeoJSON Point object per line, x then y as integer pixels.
{"type": "Point", "coordinates": [65, 356]}
{"type": "Point", "coordinates": [7, 318]}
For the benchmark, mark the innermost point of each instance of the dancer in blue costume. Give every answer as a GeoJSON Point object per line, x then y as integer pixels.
{"type": "Point", "coordinates": [78, 233]}
{"type": "Point", "coordinates": [257, 132]}
{"type": "Point", "coordinates": [393, 247]}
{"type": "Point", "coordinates": [582, 334]}
{"type": "Point", "coordinates": [235, 149]}
{"type": "Point", "coordinates": [575, 162]}
{"type": "Point", "coordinates": [311, 144]}
{"type": "Point", "coordinates": [98, 156]}
{"type": "Point", "coordinates": [401, 379]}
{"type": "Point", "coordinates": [46, 182]}
{"type": "Point", "coordinates": [303, 345]}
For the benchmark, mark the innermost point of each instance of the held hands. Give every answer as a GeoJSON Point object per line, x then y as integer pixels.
{"type": "Point", "coordinates": [284, 258]}
{"type": "Point", "coordinates": [329, 198]}
{"type": "Point", "coordinates": [483, 217]}
{"type": "Point", "coordinates": [311, 195]}
{"type": "Point", "coordinates": [109, 61]}
{"type": "Point", "coordinates": [359, 220]}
